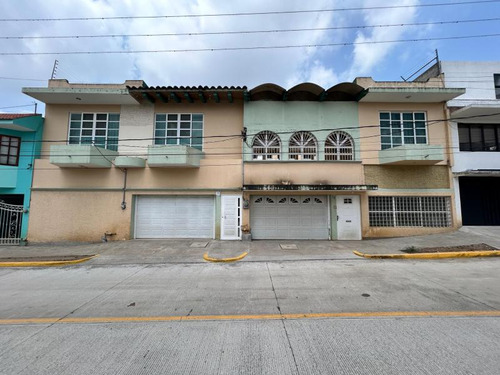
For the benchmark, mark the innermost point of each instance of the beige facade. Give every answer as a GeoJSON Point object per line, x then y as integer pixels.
{"type": "Point", "coordinates": [76, 198]}
{"type": "Point", "coordinates": [81, 204]}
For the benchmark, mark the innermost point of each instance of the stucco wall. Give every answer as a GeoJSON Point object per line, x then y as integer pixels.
{"type": "Point", "coordinates": [77, 216]}
{"type": "Point", "coordinates": [289, 117]}
{"type": "Point", "coordinates": [407, 177]}
{"type": "Point", "coordinates": [304, 173]}
{"type": "Point", "coordinates": [369, 121]}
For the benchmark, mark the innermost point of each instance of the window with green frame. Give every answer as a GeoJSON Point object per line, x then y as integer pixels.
{"type": "Point", "coordinates": [179, 129]}
{"type": "Point", "coordinates": [98, 129]}
{"type": "Point", "coordinates": [402, 128]}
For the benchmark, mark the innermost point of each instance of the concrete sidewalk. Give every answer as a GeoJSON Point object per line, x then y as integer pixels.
{"type": "Point", "coordinates": [191, 251]}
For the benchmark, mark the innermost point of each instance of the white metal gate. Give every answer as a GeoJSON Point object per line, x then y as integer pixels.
{"type": "Point", "coordinates": [10, 223]}
{"type": "Point", "coordinates": [289, 217]}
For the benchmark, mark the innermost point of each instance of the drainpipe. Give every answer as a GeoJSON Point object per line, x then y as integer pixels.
{"type": "Point", "coordinates": [244, 140]}
{"type": "Point", "coordinates": [124, 203]}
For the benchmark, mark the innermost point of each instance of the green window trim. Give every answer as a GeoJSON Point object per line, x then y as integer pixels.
{"type": "Point", "coordinates": [402, 128]}
{"type": "Point", "coordinates": [98, 129]}
{"type": "Point", "coordinates": [179, 129]}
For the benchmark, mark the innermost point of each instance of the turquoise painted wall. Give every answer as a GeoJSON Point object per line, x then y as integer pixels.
{"type": "Point", "coordinates": [30, 150]}
{"type": "Point", "coordinates": [295, 116]}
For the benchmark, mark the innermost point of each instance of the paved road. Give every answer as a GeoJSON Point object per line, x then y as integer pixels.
{"type": "Point", "coordinates": [364, 317]}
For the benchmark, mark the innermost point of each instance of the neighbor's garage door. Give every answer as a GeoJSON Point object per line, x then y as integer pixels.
{"type": "Point", "coordinates": [174, 217]}
{"type": "Point", "coordinates": [480, 200]}
{"type": "Point", "coordinates": [289, 217]}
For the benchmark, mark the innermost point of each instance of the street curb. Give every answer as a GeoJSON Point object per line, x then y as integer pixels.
{"type": "Point", "coordinates": [451, 254]}
{"type": "Point", "coordinates": [224, 260]}
{"type": "Point", "coordinates": [47, 263]}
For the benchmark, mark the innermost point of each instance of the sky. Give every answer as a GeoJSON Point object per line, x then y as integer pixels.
{"type": "Point", "coordinates": [344, 41]}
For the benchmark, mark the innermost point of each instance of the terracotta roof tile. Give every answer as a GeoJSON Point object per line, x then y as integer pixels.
{"type": "Point", "coordinates": [13, 116]}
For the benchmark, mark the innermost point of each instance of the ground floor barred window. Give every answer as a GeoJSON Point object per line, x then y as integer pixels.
{"type": "Point", "coordinates": [409, 211]}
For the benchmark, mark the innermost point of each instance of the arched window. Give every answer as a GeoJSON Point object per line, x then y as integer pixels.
{"type": "Point", "coordinates": [266, 146]}
{"type": "Point", "coordinates": [339, 146]}
{"type": "Point", "coordinates": [303, 146]}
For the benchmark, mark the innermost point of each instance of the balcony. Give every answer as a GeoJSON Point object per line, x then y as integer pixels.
{"type": "Point", "coordinates": [81, 156]}
{"type": "Point", "coordinates": [178, 156]}
{"type": "Point", "coordinates": [412, 155]}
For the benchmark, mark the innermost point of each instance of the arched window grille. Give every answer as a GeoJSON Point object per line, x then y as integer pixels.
{"type": "Point", "coordinates": [339, 146]}
{"type": "Point", "coordinates": [266, 146]}
{"type": "Point", "coordinates": [303, 146]}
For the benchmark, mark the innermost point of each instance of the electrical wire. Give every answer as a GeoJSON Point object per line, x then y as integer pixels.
{"type": "Point", "coordinates": [385, 7]}
{"type": "Point", "coordinates": [219, 49]}
{"type": "Point", "coordinates": [248, 31]}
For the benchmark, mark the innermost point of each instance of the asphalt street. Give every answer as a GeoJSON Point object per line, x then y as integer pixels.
{"type": "Point", "coordinates": [297, 317]}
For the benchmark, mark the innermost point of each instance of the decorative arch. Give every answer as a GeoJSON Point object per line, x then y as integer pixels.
{"type": "Point", "coordinates": [339, 145]}
{"type": "Point", "coordinates": [266, 145]}
{"type": "Point", "coordinates": [303, 146]}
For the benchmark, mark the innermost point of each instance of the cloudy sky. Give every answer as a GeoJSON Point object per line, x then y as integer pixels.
{"type": "Point", "coordinates": [344, 42]}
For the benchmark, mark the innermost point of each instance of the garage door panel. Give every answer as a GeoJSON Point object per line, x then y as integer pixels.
{"type": "Point", "coordinates": [291, 217]}
{"type": "Point", "coordinates": [174, 217]}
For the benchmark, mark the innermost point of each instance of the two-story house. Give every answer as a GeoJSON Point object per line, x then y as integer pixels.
{"type": "Point", "coordinates": [20, 136]}
{"type": "Point", "coordinates": [131, 161]}
{"type": "Point", "coordinates": [475, 133]}
{"type": "Point", "coordinates": [362, 159]}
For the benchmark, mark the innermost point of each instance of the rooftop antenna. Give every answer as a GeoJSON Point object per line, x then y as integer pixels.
{"type": "Point", "coordinates": [54, 69]}
{"type": "Point", "coordinates": [436, 59]}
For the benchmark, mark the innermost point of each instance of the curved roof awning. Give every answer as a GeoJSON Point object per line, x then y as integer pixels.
{"type": "Point", "coordinates": [267, 91]}
{"type": "Point", "coordinates": [307, 91]}
{"type": "Point", "coordinates": [344, 92]}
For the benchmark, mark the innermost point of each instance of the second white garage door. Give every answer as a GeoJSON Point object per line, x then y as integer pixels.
{"type": "Point", "coordinates": [174, 217]}
{"type": "Point", "coordinates": [289, 217]}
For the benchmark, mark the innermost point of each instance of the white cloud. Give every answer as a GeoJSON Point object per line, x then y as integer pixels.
{"type": "Point", "coordinates": [367, 55]}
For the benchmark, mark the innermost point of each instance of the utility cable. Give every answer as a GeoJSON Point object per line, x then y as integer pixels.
{"type": "Point", "coordinates": [455, 22]}
{"type": "Point", "coordinates": [219, 49]}
{"type": "Point", "coordinates": [283, 12]}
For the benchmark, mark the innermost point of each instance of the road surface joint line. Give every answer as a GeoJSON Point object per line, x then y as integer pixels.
{"type": "Point", "coordinates": [139, 319]}
{"type": "Point", "coordinates": [48, 263]}
{"type": "Point", "coordinates": [451, 254]}
{"type": "Point", "coordinates": [64, 319]}
{"type": "Point", "coordinates": [224, 260]}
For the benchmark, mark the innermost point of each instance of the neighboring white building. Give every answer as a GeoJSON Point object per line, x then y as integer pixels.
{"type": "Point", "coordinates": [475, 138]}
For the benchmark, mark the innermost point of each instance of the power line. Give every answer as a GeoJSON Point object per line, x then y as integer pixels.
{"type": "Point", "coordinates": [248, 31]}
{"type": "Point", "coordinates": [18, 106]}
{"type": "Point", "coordinates": [248, 48]}
{"type": "Point", "coordinates": [23, 79]}
{"type": "Point", "coordinates": [236, 136]}
{"type": "Point", "coordinates": [249, 13]}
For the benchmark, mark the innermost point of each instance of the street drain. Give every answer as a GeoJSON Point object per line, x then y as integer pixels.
{"type": "Point", "coordinates": [365, 295]}
{"type": "Point", "coordinates": [290, 246]}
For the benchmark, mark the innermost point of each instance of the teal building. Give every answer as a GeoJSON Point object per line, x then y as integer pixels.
{"type": "Point", "coordinates": [20, 144]}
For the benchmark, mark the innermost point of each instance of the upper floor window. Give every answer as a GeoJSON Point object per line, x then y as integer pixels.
{"type": "Point", "coordinates": [496, 78]}
{"type": "Point", "coordinates": [9, 150]}
{"type": "Point", "coordinates": [402, 128]}
{"type": "Point", "coordinates": [179, 129]}
{"type": "Point", "coordinates": [266, 145]}
{"type": "Point", "coordinates": [339, 146]}
{"type": "Point", "coordinates": [479, 137]}
{"type": "Point", "coordinates": [99, 129]}
{"type": "Point", "coordinates": [303, 146]}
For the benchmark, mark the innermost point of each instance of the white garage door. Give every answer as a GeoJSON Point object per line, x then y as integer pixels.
{"type": "Point", "coordinates": [289, 217]}
{"type": "Point", "coordinates": [174, 217]}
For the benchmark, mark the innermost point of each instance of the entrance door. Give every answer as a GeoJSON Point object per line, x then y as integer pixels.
{"type": "Point", "coordinates": [349, 217]}
{"type": "Point", "coordinates": [230, 217]}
